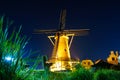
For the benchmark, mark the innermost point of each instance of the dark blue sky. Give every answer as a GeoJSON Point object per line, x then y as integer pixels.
{"type": "Point", "coordinates": [102, 17]}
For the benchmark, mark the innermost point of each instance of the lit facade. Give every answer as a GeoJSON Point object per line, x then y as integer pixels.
{"type": "Point", "coordinates": [113, 58]}
{"type": "Point", "coordinates": [61, 58]}
{"type": "Point", "coordinates": [87, 64]}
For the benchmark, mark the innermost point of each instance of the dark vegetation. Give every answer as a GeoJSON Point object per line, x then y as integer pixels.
{"type": "Point", "coordinates": [79, 74]}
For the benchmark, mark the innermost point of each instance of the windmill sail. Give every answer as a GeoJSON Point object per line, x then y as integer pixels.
{"type": "Point", "coordinates": [62, 20]}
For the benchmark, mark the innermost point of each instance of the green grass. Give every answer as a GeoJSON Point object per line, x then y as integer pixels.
{"type": "Point", "coordinates": [80, 74]}
{"type": "Point", "coordinates": [13, 45]}
{"type": "Point", "coordinates": [105, 74]}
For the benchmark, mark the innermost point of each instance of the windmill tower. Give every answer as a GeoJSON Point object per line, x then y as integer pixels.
{"type": "Point", "coordinates": [61, 40]}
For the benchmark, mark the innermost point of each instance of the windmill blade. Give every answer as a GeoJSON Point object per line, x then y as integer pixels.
{"type": "Point", "coordinates": [62, 19]}
{"type": "Point", "coordinates": [77, 32]}
{"type": "Point", "coordinates": [38, 31]}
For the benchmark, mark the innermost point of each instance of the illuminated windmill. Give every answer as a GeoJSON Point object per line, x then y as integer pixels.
{"type": "Point", "coordinates": [60, 58]}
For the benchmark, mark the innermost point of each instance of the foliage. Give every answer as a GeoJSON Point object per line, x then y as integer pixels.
{"type": "Point", "coordinates": [81, 74]}
{"type": "Point", "coordinates": [41, 75]}
{"type": "Point", "coordinates": [12, 46]}
{"type": "Point", "coordinates": [105, 74]}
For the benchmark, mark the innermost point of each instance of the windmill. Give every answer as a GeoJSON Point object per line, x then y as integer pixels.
{"type": "Point", "coordinates": [61, 40]}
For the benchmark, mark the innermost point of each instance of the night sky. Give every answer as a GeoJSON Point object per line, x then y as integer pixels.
{"type": "Point", "coordinates": [101, 17]}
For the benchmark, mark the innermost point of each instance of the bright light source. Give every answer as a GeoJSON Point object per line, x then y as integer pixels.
{"type": "Point", "coordinates": [119, 59]}
{"type": "Point", "coordinates": [8, 58]}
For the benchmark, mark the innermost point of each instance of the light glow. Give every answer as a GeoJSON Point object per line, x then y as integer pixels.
{"type": "Point", "coordinates": [61, 66]}
{"type": "Point", "coordinates": [119, 59]}
{"type": "Point", "coordinates": [61, 58]}
{"type": "Point", "coordinates": [8, 58]}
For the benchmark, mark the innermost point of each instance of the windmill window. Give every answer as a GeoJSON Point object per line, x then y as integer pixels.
{"type": "Point", "coordinates": [84, 62]}
{"type": "Point", "coordinates": [113, 58]}
{"type": "Point", "coordinates": [88, 63]}
{"type": "Point", "coordinates": [65, 50]}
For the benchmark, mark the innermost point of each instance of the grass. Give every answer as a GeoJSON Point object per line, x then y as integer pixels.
{"type": "Point", "coordinates": [13, 45]}
{"type": "Point", "coordinates": [105, 74]}
{"type": "Point", "coordinates": [79, 74]}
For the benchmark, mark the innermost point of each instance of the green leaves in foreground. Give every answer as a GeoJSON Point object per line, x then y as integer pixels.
{"type": "Point", "coordinates": [12, 49]}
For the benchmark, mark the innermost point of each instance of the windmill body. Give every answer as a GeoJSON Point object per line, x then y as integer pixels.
{"type": "Point", "coordinates": [61, 40]}
{"type": "Point", "coordinates": [61, 54]}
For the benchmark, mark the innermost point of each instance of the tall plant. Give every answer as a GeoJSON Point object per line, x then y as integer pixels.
{"type": "Point", "coordinates": [12, 49]}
